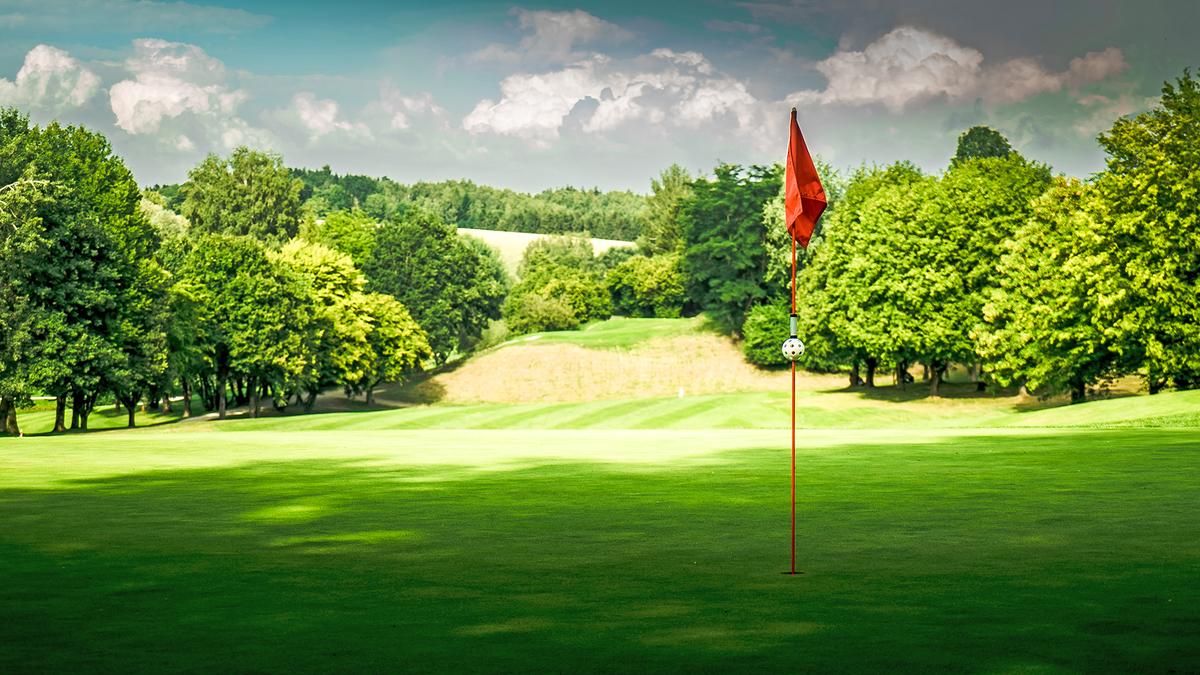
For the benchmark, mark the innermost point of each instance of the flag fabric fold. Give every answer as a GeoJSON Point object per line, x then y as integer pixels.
{"type": "Point", "coordinates": [804, 196]}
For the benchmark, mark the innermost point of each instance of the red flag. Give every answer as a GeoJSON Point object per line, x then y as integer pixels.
{"type": "Point", "coordinates": [804, 197]}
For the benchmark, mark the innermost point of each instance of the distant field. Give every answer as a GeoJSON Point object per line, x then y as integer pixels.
{"type": "Point", "coordinates": [511, 245]}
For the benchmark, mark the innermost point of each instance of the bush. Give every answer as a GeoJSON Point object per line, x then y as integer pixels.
{"type": "Point", "coordinates": [534, 313]}
{"type": "Point", "coordinates": [647, 287]}
{"type": "Point", "coordinates": [558, 289]}
{"type": "Point", "coordinates": [765, 330]}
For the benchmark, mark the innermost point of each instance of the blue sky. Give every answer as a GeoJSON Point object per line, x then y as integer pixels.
{"type": "Point", "coordinates": [535, 95]}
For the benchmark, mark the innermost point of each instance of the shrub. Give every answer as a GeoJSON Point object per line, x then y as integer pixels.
{"type": "Point", "coordinates": [647, 287]}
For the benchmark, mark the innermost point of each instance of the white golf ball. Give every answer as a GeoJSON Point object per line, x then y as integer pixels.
{"type": "Point", "coordinates": [793, 348]}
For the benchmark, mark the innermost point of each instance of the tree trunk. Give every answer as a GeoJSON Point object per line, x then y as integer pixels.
{"type": "Point", "coordinates": [8, 417]}
{"type": "Point", "coordinates": [1078, 391]}
{"type": "Point", "coordinates": [76, 406]}
{"type": "Point", "coordinates": [221, 396]}
{"type": "Point", "coordinates": [371, 393]}
{"type": "Point", "coordinates": [935, 379]}
{"type": "Point", "coordinates": [310, 400]}
{"type": "Point", "coordinates": [132, 408]}
{"type": "Point", "coordinates": [872, 362]}
{"type": "Point", "coordinates": [901, 371]}
{"type": "Point", "coordinates": [89, 404]}
{"type": "Point", "coordinates": [252, 388]}
{"type": "Point", "coordinates": [855, 378]}
{"type": "Point", "coordinates": [187, 397]}
{"type": "Point", "coordinates": [925, 371]}
{"type": "Point", "coordinates": [60, 413]}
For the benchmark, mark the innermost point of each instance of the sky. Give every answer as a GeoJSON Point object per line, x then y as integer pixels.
{"type": "Point", "coordinates": [591, 94]}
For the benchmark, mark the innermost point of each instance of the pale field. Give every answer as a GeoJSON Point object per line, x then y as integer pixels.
{"type": "Point", "coordinates": [511, 245]}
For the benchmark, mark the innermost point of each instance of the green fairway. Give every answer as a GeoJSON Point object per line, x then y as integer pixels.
{"type": "Point", "coordinates": [187, 548]}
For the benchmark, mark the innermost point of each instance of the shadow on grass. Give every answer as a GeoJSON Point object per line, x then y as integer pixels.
{"type": "Point", "coordinates": [1050, 552]}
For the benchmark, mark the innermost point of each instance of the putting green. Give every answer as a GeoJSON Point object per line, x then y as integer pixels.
{"type": "Point", "coordinates": [221, 547]}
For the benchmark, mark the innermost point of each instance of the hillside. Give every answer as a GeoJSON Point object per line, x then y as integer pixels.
{"type": "Point", "coordinates": [511, 245]}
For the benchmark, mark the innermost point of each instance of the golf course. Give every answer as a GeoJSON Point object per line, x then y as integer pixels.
{"type": "Point", "coordinates": [981, 533]}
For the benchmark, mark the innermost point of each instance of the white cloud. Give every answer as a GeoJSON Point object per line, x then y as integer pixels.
{"type": "Point", "coordinates": [679, 89]}
{"type": "Point", "coordinates": [177, 81]}
{"type": "Point", "coordinates": [552, 37]}
{"type": "Point", "coordinates": [400, 110]}
{"type": "Point", "coordinates": [50, 79]}
{"type": "Point", "coordinates": [909, 65]}
{"type": "Point", "coordinates": [321, 117]}
{"type": "Point", "coordinates": [1104, 110]}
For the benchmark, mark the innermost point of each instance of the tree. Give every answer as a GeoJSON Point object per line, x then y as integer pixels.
{"type": "Point", "coordinates": [1149, 200]}
{"type": "Point", "coordinates": [980, 142]}
{"type": "Point", "coordinates": [337, 328]}
{"type": "Point", "coordinates": [724, 256]}
{"type": "Point", "coordinates": [1043, 320]}
{"type": "Point", "coordinates": [569, 250]}
{"type": "Point", "coordinates": [251, 193]}
{"type": "Point", "coordinates": [978, 206]}
{"type": "Point", "coordinates": [254, 317]}
{"type": "Point", "coordinates": [77, 261]}
{"type": "Point", "coordinates": [396, 344]}
{"type": "Point", "coordinates": [537, 302]}
{"type": "Point", "coordinates": [663, 231]}
{"type": "Point", "coordinates": [452, 286]}
{"type": "Point", "coordinates": [351, 232]}
{"type": "Point", "coordinates": [647, 287]}
{"type": "Point", "coordinates": [836, 316]}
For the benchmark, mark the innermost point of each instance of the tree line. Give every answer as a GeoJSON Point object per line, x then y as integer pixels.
{"type": "Point", "coordinates": [105, 292]}
{"type": "Point", "coordinates": [1053, 283]}
{"type": "Point", "coordinates": [615, 214]}
{"type": "Point", "coordinates": [254, 282]}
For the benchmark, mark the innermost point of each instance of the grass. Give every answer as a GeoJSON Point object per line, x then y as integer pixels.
{"type": "Point", "coordinates": [620, 332]}
{"type": "Point", "coordinates": [633, 533]}
{"type": "Point", "coordinates": [532, 551]}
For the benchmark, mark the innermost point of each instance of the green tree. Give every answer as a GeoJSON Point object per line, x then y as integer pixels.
{"type": "Point", "coordinates": [1151, 207]}
{"type": "Point", "coordinates": [351, 232]}
{"type": "Point", "coordinates": [396, 344]}
{"type": "Point", "coordinates": [1044, 325]}
{"type": "Point", "coordinates": [254, 317]}
{"type": "Point", "coordinates": [250, 193]}
{"type": "Point", "coordinates": [663, 232]}
{"type": "Point", "coordinates": [648, 287]}
{"type": "Point", "coordinates": [836, 319]}
{"type": "Point", "coordinates": [452, 286]}
{"type": "Point", "coordinates": [724, 256]}
{"type": "Point", "coordinates": [569, 250]}
{"type": "Point", "coordinates": [77, 261]}
{"type": "Point", "coordinates": [979, 142]}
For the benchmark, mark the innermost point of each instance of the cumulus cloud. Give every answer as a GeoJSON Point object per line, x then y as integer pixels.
{"type": "Point", "coordinates": [50, 79]}
{"type": "Point", "coordinates": [174, 81]}
{"type": "Point", "coordinates": [321, 117]}
{"type": "Point", "coordinates": [400, 110]}
{"type": "Point", "coordinates": [552, 37]}
{"type": "Point", "coordinates": [681, 89]}
{"type": "Point", "coordinates": [909, 65]}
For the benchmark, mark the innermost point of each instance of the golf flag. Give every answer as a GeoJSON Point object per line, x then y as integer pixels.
{"type": "Point", "coordinates": [804, 197]}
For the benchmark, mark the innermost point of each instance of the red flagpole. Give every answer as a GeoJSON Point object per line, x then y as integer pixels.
{"type": "Point", "coordinates": [793, 568]}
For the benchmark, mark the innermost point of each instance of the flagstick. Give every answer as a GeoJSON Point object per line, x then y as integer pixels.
{"type": "Point", "coordinates": [793, 568]}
